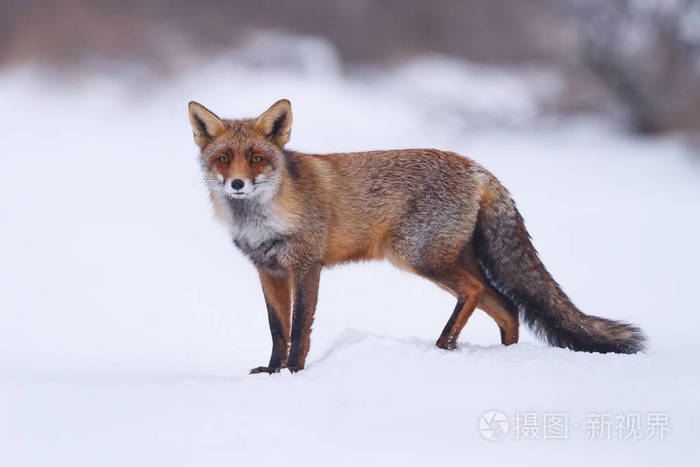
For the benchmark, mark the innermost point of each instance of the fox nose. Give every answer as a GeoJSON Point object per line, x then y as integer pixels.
{"type": "Point", "coordinates": [237, 184]}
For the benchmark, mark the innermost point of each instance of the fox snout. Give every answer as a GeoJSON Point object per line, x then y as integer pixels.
{"type": "Point", "coordinates": [239, 187]}
{"type": "Point", "coordinates": [237, 184]}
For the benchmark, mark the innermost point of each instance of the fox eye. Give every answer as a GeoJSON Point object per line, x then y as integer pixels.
{"type": "Point", "coordinates": [257, 159]}
{"type": "Point", "coordinates": [223, 159]}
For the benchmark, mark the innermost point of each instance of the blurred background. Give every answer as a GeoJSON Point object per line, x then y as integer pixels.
{"type": "Point", "coordinates": [636, 61]}
{"type": "Point", "coordinates": [128, 321]}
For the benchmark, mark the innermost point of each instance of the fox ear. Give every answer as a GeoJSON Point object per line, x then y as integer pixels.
{"type": "Point", "coordinates": [276, 123]}
{"type": "Point", "coordinates": [205, 124]}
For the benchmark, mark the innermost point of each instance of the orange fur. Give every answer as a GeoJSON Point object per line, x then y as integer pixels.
{"type": "Point", "coordinates": [427, 211]}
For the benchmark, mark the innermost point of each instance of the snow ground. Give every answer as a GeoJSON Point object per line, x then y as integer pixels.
{"type": "Point", "coordinates": [128, 321]}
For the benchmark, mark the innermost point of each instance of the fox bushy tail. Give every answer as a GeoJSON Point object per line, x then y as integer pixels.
{"type": "Point", "coordinates": [512, 265]}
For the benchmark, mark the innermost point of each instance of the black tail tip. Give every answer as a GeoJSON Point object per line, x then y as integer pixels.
{"type": "Point", "coordinates": [615, 337]}
{"type": "Point", "coordinates": [635, 343]}
{"type": "Point", "coordinates": [593, 334]}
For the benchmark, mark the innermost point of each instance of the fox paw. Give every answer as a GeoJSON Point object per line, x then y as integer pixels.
{"type": "Point", "coordinates": [295, 368]}
{"type": "Point", "coordinates": [264, 369]}
{"type": "Point", "coordinates": [446, 344]}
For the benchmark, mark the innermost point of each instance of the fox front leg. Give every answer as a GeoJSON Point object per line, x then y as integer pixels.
{"type": "Point", "coordinates": [305, 297]}
{"type": "Point", "coordinates": [278, 300]}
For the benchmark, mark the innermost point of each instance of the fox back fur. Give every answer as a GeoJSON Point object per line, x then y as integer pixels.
{"type": "Point", "coordinates": [431, 212]}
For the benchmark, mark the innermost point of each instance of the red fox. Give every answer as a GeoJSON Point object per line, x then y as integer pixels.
{"type": "Point", "coordinates": [434, 213]}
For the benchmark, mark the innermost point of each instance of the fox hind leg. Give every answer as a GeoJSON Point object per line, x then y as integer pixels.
{"type": "Point", "coordinates": [434, 250]}
{"type": "Point", "coordinates": [468, 291]}
{"type": "Point", "coordinates": [494, 305]}
{"type": "Point", "coordinates": [450, 275]}
{"type": "Point", "coordinates": [472, 293]}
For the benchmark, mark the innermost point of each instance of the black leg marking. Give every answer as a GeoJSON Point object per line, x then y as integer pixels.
{"type": "Point", "coordinates": [279, 342]}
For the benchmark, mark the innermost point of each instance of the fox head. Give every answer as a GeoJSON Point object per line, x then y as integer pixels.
{"type": "Point", "coordinates": [243, 159]}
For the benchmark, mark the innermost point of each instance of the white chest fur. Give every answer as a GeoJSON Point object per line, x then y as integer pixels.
{"type": "Point", "coordinates": [252, 223]}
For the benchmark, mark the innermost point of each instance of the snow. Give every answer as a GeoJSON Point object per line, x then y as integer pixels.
{"type": "Point", "coordinates": [129, 321]}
